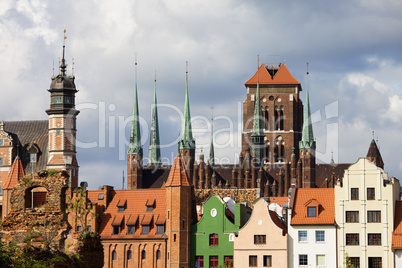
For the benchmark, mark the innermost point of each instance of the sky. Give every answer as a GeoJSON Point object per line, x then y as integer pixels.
{"type": "Point", "coordinates": [353, 49]}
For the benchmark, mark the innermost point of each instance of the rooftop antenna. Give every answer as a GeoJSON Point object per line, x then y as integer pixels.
{"type": "Point", "coordinates": [72, 69]}
{"type": "Point", "coordinates": [53, 67]}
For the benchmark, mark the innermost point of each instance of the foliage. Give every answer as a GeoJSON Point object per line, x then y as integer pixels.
{"type": "Point", "coordinates": [347, 262]}
{"type": "Point", "coordinates": [79, 209]}
{"type": "Point", "coordinates": [26, 179]}
{"type": "Point", "coordinates": [51, 172]}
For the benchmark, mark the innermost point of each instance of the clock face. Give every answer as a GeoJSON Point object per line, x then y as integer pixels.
{"type": "Point", "coordinates": [214, 212]}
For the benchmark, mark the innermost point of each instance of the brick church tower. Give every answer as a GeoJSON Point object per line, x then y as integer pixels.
{"type": "Point", "coordinates": [179, 215]}
{"type": "Point", "coordinates": [62, 124]}
{"type": "Point", "coordinates": [187, 143]}
{"type": "Point", "coordinates": [281, 112]}
{"type": "Point", "coordinates": [134, 152]}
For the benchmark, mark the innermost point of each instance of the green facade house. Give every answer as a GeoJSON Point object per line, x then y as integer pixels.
{"type": "Point", "coordinates": [211, 243]}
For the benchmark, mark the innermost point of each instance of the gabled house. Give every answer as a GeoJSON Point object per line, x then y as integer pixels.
{"type": "Point", "coordinates": [312, 230]}
{"type": "Point", "coordinates": [263, 240]}
{"type": "Point", "coordinates": [212, 238]}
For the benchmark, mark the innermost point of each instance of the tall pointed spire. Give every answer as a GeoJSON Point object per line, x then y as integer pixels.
{"type": "Point", "coordinates": [211, 147]}
{"type": "Point", "coordinates": [135, 136]}
{"type": "Point", "coordinates": [307, 141]}
{"type": "Point", "coordinates": [154, 154]}
{"type": "Point", "coordinates": [187, 141]}
{"type": "Point", "coordinates": [257, 135]}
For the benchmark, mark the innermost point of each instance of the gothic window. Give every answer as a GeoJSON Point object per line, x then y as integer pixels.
{"type": "Point", "coordinates": [158, 254]}
{"type": "Point", "coordinates": [114, 255]}
{"type": "Point", "coordinates": [32, 158]}
{"type": "Point", "coordinates": [283, 152]}
{"type": "Point", "coordinates": [281, 118]}
{"type": "Point", "coordinates": [129, 255]}
{"type": "Point", "coordinates": [267, 152]}
{"type": "Point", "coordinates": [276, 117]}
{"type": "Point", "coordinates": [266, 121]}
{"type": "Point", "coordinates": [143, 255]}
{"type": "Point", "coordinates": [276, 152]}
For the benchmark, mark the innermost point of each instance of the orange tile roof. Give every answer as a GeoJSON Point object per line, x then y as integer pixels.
{"type": "Point", "coordinates": [135, 212]}
{"type": "Point", "coordinates": [279, 200]}
{"type": "Point", "coordinates": [178, 175]}
{"type": "Point", "coordinates": [397, 233]}
{"type": "Point", "coordinates": [16, 173]}
{"type": "Point", "coordinates": [323, 198]}
{"type": "Point", "coordinates": [281, 77]}
{"type": "Point", "coordinates": [93, 196]}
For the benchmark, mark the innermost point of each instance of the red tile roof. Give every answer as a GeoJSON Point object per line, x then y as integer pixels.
{"type": "Point", "coordinates": [135, 212]}
{"type": "Point", "coordinates": [178, 175]}
{"type": "Point", "coordinates": [281, 77]}
{"type": "Point", "coordinates": [16, 173]}
{"type": "Point", "coordinates": [323, 198]}
{"type": "Point", "coordinates": [397, 233]}
{"type": "Point", "coordinates": [279, 200]}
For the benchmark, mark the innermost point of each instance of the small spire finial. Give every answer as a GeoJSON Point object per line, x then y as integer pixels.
{"type": "Point", "coordinates": [63, 61]}
{"type": "Point", "coordinates": [53, 67]}
{"type": "Point", "coordinates": [372, 132]}
{"type": "Point", "coordinates": [72, 69]}
{"type": "Point", "coordinates": [307, 69]}
{"type": "Point", "coordinates": [258, 61]}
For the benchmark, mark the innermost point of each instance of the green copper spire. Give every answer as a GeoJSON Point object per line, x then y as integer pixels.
{"type": "Point", "coordinates": [257, 135]}
{"type": "Point", "coordinates": [135, 136]}
{"type": "Point", "coordinates": [211, 147]}
{"type": "Point", "coordinates": [154, 145]}
{"type": "Point", "coordinates": [307, 141]}
{"type": "Point", "coordinates": [187, 141]}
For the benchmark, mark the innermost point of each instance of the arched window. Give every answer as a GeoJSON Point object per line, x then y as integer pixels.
{"type": "Point", "coordinates": [267, 152]}
{"type": "Point", "coordinates": [143, 254]}
{"type": "Point", "coordinates": [281, 119]}
{"type": "Point", "coordinates": [129, 255]}
{"type": "Point", "coordinates": [266, 116]}
{"type": "Point", "coordinates": [276, 152]}
{"type": "Point", "coordinates": [213, 239]}
{"type": "Point", "coordinates": [158, 254]}
{"type": "Point", "coordinates": [114, 255]}
{"type": "Point", "coordinates": [283, 152]}
{"type": "Point", "coordinates": [276, 123]}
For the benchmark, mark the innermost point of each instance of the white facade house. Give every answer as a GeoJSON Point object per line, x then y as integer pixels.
{"type": "Point", "coordinates": [312, 231]}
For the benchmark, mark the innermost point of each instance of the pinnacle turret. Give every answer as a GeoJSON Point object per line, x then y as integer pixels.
{"type": "Point", "coordinates": [187, 141]}
{"type": "Point", "coordinates": [211, 147]}
{"type": "Point", "coordinates": [135, 135]}
{"type": "Point", "coordinates": [307, 141]}
{"type": "Point", "coordinates": [257, 135]}
{"type": "Point", "coordinates": [154, 145]}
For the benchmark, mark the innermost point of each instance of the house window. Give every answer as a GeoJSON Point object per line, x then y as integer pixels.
{"type": "Point", "coordinates": [374, 239]}
{"type": "Point", "coordinates": [370, 193]}
{"type": "Point", "coordinates": [158, 254]}
{"type": "Point", "coordinates": [354, 261]}
{"type": "Point", "coordinates": [311, 211]}
{"type": "Point", "coordinates": [100, 196]}
{"type": "Point", "coordinates": [352, 239]}
{"type": "Point", "coordinates": [89, 228]}
{"type": "Point", "coordinates": [32, 158]}
{"type": "Point", "coordinates": [58, 132]}
{"type": "Point", "coordinates": [114, 255]}
{"type": "Point", "coordinates": [199, 261]}
{"type": "Point", "coordinates": [116, 230]}
{"type": "Point", "coordinates": [213, 240]}
{"type": "Point", "coordinates": [160, 229]}
{"type": "Point", "coordinates": [68, 99]}
{"type": "Point", "coordinates": [252, 261]}
{"type": "Point", "coordinates": [59, 99]}
{"type": "Point", "coordinates": [354, 193]}
{"type": "Point", "coordinates": [1, 142]}
{"type": "Point", "coordinates": [228, 261]}
{"type": "Point", "coordinates": [143, 255]}
{"type": "Point", "coordinates": [79, 228]}
{"type": "Point", "coordinates": [352, 216]}
{"type": "Point", "coordinates": [129, 255]}
{"type": "Point", "coordinates": [260, 239]}
{"type": "Point", "coordinates": [375, 262]}
{"type": "Point", "coordinates": [320, 260]}
{"type": "Point", "coordinates": [374, 216]}
{"type": "Point", "coordinates": [302, 236]}
{"type": "Point", "coordinates": [213, 261]}
{"type": "Point", "coordinates": [303, 259]}
{"type": "Point", "coordinates": [120, 209]}
{"type": "Point", "coordinates": [267, 261]}
{"type": "Point", "coordinates": [145, 229]}
{"type": "Point", "coordinates": [1, 161]}
{"type": "Point", "coordinates": [150, 208]}
{"type": "Point", "coordinates": [319, 236]}
{"type": "Point", "coordinates": [130, 229]}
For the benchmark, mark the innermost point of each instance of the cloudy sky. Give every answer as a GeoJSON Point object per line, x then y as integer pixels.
{"type": "Point", "coordinates": [353, 49]}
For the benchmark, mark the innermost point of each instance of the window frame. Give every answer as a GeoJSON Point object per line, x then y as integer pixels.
{"type": "Point", "coordinates": [214, 261]}
{"type": "Point", "coordinates": [130, 229]}
{"type": "Point", "coordinates": [252, 260]}
{"type": "Point", "coordinates": [351, 237]}
{"type": "Point", "coordinates": [267, 261]}
{"type": "Point", "coordinates": [200, 260]}
{"type": "Point", "coordinates": [316, 259]}
{"type": "Point", "coordinates": [354, 193]}
{"type": "Point", "coordinates": [213, 240]}
{"type": "Point", "coordinates": [311, 212]}
{"type": "Point", "coordinates": [145, 229]}
{"type": "Point", "coordinates": [303, 259]}
{"type": "Point", "coordinates": [374, 239]}
{"type": "Point", "coordinates": [352, 216]}
{"type": "Point", "coordinates": [355, 261]}
{"type": "Point", "coordinates": [318, 234]}
{"type": "Point", "coordinates": [160, 228]}
{"type": "Point", "coordinates": [370, 193]}
{"type": "Point", "coordinates": [228, 261]}
{"type": "Point", "coordinates": [299, 236]}
{"type": "Point", "coordinates": [260, 239]}
{"type": "Point", "coordinates": [374, 216]}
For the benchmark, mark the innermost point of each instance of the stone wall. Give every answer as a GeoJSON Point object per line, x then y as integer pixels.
{"type": "Point", "coordinates": [238, 195]}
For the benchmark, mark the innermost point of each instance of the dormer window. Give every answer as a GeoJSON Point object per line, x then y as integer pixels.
{"type": "Point", "coordinates": [312, 211]}
{"type": "Point", "coordinates": [146, 223]}
{"type": "Point", "coordinates": [32, 158]}
{"type": "Point", "coordinates": [121, 205]}
{"type": "Point", "coordinates": [150, 205]}
{"type": "Point", "coordinates": [131, 224]}
{"type": "Point", "coordinates": [116, 224]}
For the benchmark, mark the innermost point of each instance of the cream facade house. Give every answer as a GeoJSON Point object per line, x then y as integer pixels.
{"type": "Point", "coordinates": [262, 242]}
{"type": "Point", "coordinates": [364, 212]}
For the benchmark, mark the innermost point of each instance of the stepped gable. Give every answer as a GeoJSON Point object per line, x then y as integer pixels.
{"type": "Point", "coordinates": [322, 199]}
{"type": "Point", "coordinates": [273, 75]}
{"type": "Point", "coordinates": [178, 175]}
{"type": "Point", "coordinates": [135, 212]}
{"type": "Point", "coordinates": [16, 173]}
{"type": "Point", "coordinates": [397, 233]}
{"type": "Point", "coordinates": [30, 134]}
